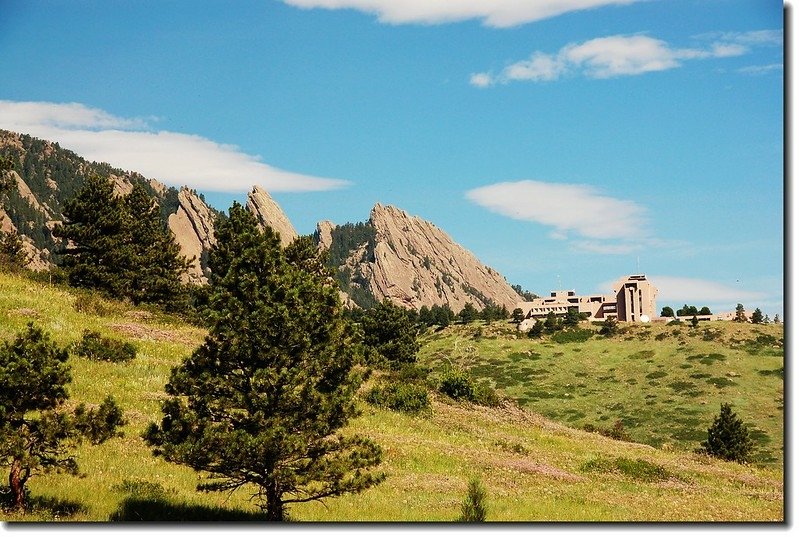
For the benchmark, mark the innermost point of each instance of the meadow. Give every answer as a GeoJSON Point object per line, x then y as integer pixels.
{"type": "Point", "coordinates": [535, 460]}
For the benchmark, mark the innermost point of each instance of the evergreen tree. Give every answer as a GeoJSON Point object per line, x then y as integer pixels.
{"type": "Point", "coordinates": [757, 316]}
{"type": "Point", "coordinates": [443, 315]}
{"type": "Point", "coordinates": [12, 251]}
{"type": "Point", "coordinates": [728, 437]}
{"type": "Point", "coordinates": [705, 311]}
{"type": "Point", "coordinates": [610, 327]}
{"type": "Point", "coordinates": [96, 255]}
{"type": "Point", "coordinates": [120, 245]}
{"type": "Point", "coordinates": [473, 508]}
{"type": "Point", "coordinates": [552, 323]}
{"type": "Point", "coordinates": [468, 314]}
{"type": "Point", "coordinates": [156, 263]}
{"type": "Point", "coordinates": [694, 321]}
{"type": "Point", "coordinates": [261, 401]}
{"type": "Point", "coordinates": [740, 314]}
{"type": "Point", "coordinates": [776, 319]}
{"type": "Point", "coordinates": [572, 318]}
{"type": "Point", "coordinates": [37, 431]}
{"type": "Point", "coordinates": [667, 311]}
{"type": "Point", "coordinates": [518, 315]}
{"type": "Point", "coordinates": [389, 335]}
{"type": "Point", "coordinates": [6, 181]}
{"type": "Point", "coordinates": [537, 330]}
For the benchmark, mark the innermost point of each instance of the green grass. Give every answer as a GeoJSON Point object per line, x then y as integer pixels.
{"type": "Point", "coordinates": [649, 377]}
{"type": "Point", "coordinates": [534, 468]}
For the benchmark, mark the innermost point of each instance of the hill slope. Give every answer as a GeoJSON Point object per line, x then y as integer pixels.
{"type": "Point", "coordinates": [533, 468]}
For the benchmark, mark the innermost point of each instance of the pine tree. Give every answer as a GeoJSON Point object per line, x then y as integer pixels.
{"type": "Point", "coordinates": [468, 314]}
{"type": "Point", "coordinates": [97, 253]}
{"type": "Point", "coordinates": [37, 431]}
{"type": "Point", "coordinates": [728, 437]}
{"type": "Point", "coordinates": [261, 401]}
{"type": "Point", "coordinates": [156, 266]}
{"type": "Point", "coordinates": [120, 245]}
{"type": "Point", "coordinates": [12, 251]}
{"type": "Point", "coordinates": [757, 316]}
{"type": "Point", "coordinates": [473, 508]}
{"type": "Point", "coordinates": [740, 314]}
{"type": "Point", "coordinates": [389, 336]}
{"type": "Point", "coordinates": [518, 315]}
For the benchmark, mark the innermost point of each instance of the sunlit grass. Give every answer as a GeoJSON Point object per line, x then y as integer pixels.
{"type": "Point", "coordinates": [534, 469]}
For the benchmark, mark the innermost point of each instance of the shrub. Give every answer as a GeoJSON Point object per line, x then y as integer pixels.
{"type": "Point", "coordinates": [617, 432]}
{"type": "Point", "coordinates": [473, 508]}
{"type": "Point", "coordinates": [94, 346]}
{"type": "Point", "coordinates": [728, 437]}
{"type": "Point", "coordinates": [638, 469]}
{"type": "Point", "coordinates": [457, 384]}
{"type": "Point", "coordinates": [399, 396]}
{"type": "Point", "coordinates": [573, 336]}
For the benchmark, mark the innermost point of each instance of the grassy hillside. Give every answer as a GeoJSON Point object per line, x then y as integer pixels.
{"type": "Point", "coordinates": [532, 468]}
{"type": "Point", "coordinates": [664, 383]}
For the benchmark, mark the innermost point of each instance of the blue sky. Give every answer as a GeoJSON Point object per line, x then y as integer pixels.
{"type": "Point", "coordinates": [565, 147]}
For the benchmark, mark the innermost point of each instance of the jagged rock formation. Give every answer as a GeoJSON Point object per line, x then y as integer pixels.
{"type": "Point", "coordinates": [193, 227]}
{"type": "Point", "coordinates": [324, 234]}
{"type": "Point", "coordinates": [413, 263]}
{"type": "Point", "coordinates": [269, 213]}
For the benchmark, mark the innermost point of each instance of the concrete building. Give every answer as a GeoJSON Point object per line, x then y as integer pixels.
{"type": "Point", "coordinates": [631, 300]}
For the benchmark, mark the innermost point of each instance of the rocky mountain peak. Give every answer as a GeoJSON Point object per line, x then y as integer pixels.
{"type": "Point", "coordinates": [413, 263]}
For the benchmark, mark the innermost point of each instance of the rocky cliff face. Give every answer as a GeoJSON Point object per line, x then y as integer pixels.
{"type": "Point", "coordinates": [413, 263]}
{"type": "Point", "coordinates": [269, 213]}
{"type": "Point", "coordinates": [193, 227]}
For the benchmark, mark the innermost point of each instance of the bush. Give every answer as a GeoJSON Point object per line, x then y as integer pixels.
{"type": "Point", "coordinates": [473, 508]}
{"type": "Point", "coordinates": [399, 396]}
{"type": "Point", "coordinates": [459, 385]}
{"type": "Point", "coordinates": [638, 469]}
{"type": "Point", "coordinates": [573, 336]}
{"type": "Point", "coordinates": [96, 347]}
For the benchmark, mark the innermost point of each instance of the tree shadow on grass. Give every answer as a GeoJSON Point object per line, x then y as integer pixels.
{"type": "Point", "coordinates": [46, 508]}
{"type": "Point", "coordinates": [162, 510]}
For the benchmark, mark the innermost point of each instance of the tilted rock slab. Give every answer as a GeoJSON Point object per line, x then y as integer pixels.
{"type": "Point", "coordinates": [416, 264]}
{"type": "Point", "coordinates": [269, 213]}
{"type": "Point", "coordinates": [193, 226]}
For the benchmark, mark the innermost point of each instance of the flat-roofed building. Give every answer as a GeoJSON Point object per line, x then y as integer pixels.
{"type": "Point", "coordinates": [632, 300]}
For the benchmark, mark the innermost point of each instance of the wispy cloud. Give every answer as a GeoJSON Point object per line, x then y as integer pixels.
{"type": "Point", "coordinates": [567, 208]}
{"type": "Point", "coordinates": [761, 69]}
{"type": "Point", "coordinates": [622, 55]}
{"type": "Point", "coordinates": [494, 13]}
{"type": "Point", "coordinates": [697, 291]}
{"type": "Point", "coordinates": [174, 158]}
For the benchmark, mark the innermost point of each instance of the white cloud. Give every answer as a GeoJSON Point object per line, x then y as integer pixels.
{"type": "Point", "coordinates": [700, 292]}
{"type": "Point", "coordinates": [481, 80]}
{"type": "Point", "coordinates": [174, 158]}
{"type": "Point", "coordinates": [607, 57]}
{"type": "Point", "coordinates": [494, 13]}
{"type": "Point", "coordinates": [761, 69]}
{"type": "Point", "coordinates": [568, 208]}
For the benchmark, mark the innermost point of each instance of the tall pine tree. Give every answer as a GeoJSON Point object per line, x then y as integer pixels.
{"type": "Point", "coordinates": [120, 245]}
{"type": "Point", "coordinates": [262, 400]}
{"type": "Point", "coordinates": [156, 263]}
{"type": "Point", "coordinates": [97, 251]}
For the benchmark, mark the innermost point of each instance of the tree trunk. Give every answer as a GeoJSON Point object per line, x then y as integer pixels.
{"type": "Point", "coordinates": [17, 484]}
{"type": "Point", "coordinates": [275, 510]}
